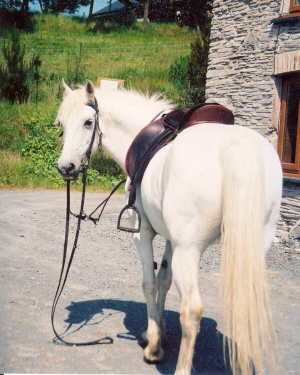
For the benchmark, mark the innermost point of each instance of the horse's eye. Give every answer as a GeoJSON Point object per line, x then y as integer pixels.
{"type": "Point", "coordinates": [88, 123]}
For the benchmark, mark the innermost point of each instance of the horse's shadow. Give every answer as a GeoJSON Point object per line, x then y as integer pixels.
{"type": "Point", "coordinates": [208, 357]}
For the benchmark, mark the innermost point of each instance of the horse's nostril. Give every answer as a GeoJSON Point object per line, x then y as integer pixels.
{"type": "Point", "coordinates": [71, 167]}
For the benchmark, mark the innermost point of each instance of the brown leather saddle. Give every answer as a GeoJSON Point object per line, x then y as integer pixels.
{"type": "Point", "coordinates": [158, 134]}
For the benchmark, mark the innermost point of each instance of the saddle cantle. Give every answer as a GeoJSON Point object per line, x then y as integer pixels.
{"type": "Point", "coordinates": [158, 134]}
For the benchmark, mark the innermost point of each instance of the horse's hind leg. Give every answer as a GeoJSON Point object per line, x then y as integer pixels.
{"type": "Point", "coordinates": [143, 241]}
{"type": "Point", "coordinates": [164, 279]}
{"type": "Point", "coordinates": [185, 272]}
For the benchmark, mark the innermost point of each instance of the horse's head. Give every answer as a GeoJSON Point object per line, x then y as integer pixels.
{"type": "Point", "coordinates": [78, 117]}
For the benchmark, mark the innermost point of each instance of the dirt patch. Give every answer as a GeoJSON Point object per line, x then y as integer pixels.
{"type": "Point", "coordinates": [103, 295]}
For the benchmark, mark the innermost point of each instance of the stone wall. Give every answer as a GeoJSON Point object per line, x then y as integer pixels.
{"type": "Point", "coordinates": [241, 60]}
{"type": "Point", "coordinates": [245, 44]}
{"type": "Point", "coordinates": [289, 222]}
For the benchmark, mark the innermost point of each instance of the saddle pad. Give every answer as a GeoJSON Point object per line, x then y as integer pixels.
{"type": "Point", "coordinates": [160, 132]}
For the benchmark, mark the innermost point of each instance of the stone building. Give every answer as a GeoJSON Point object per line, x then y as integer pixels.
{"type": "Point", "coordinates": [254, 69]}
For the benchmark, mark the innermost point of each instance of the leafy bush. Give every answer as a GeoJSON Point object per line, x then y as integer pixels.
{"type": "Point", "coordinates": [18, 80]}
{"type": "Point", "coordinates": [11, 130]}
{"type": "Point", "coordinates": [75, 73]}
{"type": "Point", "coordinates": [10, 168]}
{"type": "Point", "coordinates": [188, 74]}
{"type": "Point", "coordinates": [197, 68]}
{"type": "Point", "coordinates": [105, 165]}
{"type": "Point", "coordinates": [41, 147]}
{"type": "Point", "coordinates": [106, 26]}
{"type": "Point", "coordinates": [12, 18]}
{"type": "Point", "coordinates": [179, 77]}
{"type": "Point", "coordinates": [106, 181]}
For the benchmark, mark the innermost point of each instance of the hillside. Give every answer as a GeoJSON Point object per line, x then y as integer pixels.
{"type": "Point", "coordinates": [75, 50]}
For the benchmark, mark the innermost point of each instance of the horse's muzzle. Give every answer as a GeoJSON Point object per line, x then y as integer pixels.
{"type": "Point", "coordinates": [68, 172]}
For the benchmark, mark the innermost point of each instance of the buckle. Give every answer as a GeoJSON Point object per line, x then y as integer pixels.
{"type": "Point", "coordinates": [129, 229]}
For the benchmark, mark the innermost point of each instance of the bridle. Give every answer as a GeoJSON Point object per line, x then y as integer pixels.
{"type": "Point", "coordinates": [95, 130]}
{"type": "Point", "coordinates": [65, 268]}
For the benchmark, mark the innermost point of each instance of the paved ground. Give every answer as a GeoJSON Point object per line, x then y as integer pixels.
{"type": "Point", "coordinates": [103, 295]}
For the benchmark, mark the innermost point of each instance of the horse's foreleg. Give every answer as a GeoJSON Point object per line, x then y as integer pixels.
{"type": "Point", "coordinates": [185, 271]}
{"type": "Point", "coordinates": [164, 279]}
{"type": "Point", "coordinates": [153, 351]}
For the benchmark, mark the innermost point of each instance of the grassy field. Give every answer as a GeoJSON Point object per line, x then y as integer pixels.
{"type": "Point", "coordinates": [140, 56]}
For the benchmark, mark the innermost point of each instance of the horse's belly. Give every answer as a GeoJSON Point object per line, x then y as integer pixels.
{"type": "Point", "coordinates": [181, 189]}
{"type": "Point", "coordinates": [152, 192]}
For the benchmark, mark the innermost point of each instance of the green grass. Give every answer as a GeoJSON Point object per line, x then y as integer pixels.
{"type": "Point", "coordinates": [141, 56]}
{"type": "Point", "coordinates": [147, 52]}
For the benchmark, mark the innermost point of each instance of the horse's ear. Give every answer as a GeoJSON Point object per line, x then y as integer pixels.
{"type": "Point", "coordinates": [90, 90]}
{"type": "Point", "coordinates": [66, 89]}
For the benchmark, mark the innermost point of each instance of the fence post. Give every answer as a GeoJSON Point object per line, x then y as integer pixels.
{"type": "Point", "coordinates": [78, 58]}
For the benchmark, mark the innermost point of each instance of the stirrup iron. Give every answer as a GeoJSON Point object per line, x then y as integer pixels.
{"type": "Point", "coordinates": [129, 229]}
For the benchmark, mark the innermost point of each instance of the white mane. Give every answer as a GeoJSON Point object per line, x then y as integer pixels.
{"type": "Point", "coordinates": [139, 109]}
{"type": "Point", "coordinates": [120, 100]}
{"type": "Point", "coordinates": [131, 96]}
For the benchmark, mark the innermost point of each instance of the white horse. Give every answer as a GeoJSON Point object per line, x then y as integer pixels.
{"type": "Point", "coordinates": [213, 182]}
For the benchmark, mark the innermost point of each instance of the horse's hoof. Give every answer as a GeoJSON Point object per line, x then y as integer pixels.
{"type": "Point", "coordinates": [142, 340]}
{"type": "Point", "coordinates": [154, 357]}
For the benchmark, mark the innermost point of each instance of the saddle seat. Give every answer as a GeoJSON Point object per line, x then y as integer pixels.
{"type": "Point", "coordinates": [160, 132]}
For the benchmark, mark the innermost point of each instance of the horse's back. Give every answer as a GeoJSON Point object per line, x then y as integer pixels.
{"type": "Point", "coordinates": [185, 179]}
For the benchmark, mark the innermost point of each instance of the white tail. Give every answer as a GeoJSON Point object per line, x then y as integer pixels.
{"type": "Point", "coordinates": [247, 318]}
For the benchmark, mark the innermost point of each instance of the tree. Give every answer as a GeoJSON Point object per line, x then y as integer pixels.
{"type": "Point", "coordinates": [91, 9]}
{"type": "Point", "coordinates": [59, 6]}
{"type": "Point", "coordinates": [188, 73]}
{"type": "Point", "coordinates": [195, 12]}
{"type": "Point", "coordinates": [18, 79]}
{"type": "Point", "coordinates": [146, 12]}
{"type": "Point", "coordinates": [138, 3]}
{"type": "Point", "coordinates": [25, 7]}
{"type": "Point", "coordinates": [10, 4]}
{"type": "Point", "coordinates": [53, 6]}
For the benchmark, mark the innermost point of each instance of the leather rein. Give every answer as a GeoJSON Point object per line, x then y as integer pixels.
{"type": "Point", "coordinates": [66, 265]}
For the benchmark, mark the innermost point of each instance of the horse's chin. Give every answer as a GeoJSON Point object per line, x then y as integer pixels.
{"type": "Point", "coordinates": [70, 178]}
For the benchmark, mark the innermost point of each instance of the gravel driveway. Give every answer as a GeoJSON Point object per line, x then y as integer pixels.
{"type": "Point", "coordinates": [103, 295]}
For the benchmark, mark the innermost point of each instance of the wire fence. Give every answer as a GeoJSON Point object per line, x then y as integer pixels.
{"type": "Point", "coordinates": [136, 63]}
{"type": "Point", "coordinates": [120, 50]}
{"type": "Point", "coordinates": [140, 60]}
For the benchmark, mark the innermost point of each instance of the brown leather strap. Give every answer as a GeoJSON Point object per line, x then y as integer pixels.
{"type": "Point", "coordinates": [65, 268]}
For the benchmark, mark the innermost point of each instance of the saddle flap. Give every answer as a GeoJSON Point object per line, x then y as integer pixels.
{"type": "Point", "coordinates": [141, 144]}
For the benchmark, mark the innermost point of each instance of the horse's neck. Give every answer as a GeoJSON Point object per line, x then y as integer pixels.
{"type": "Point", "coordinates": [122, 118]}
